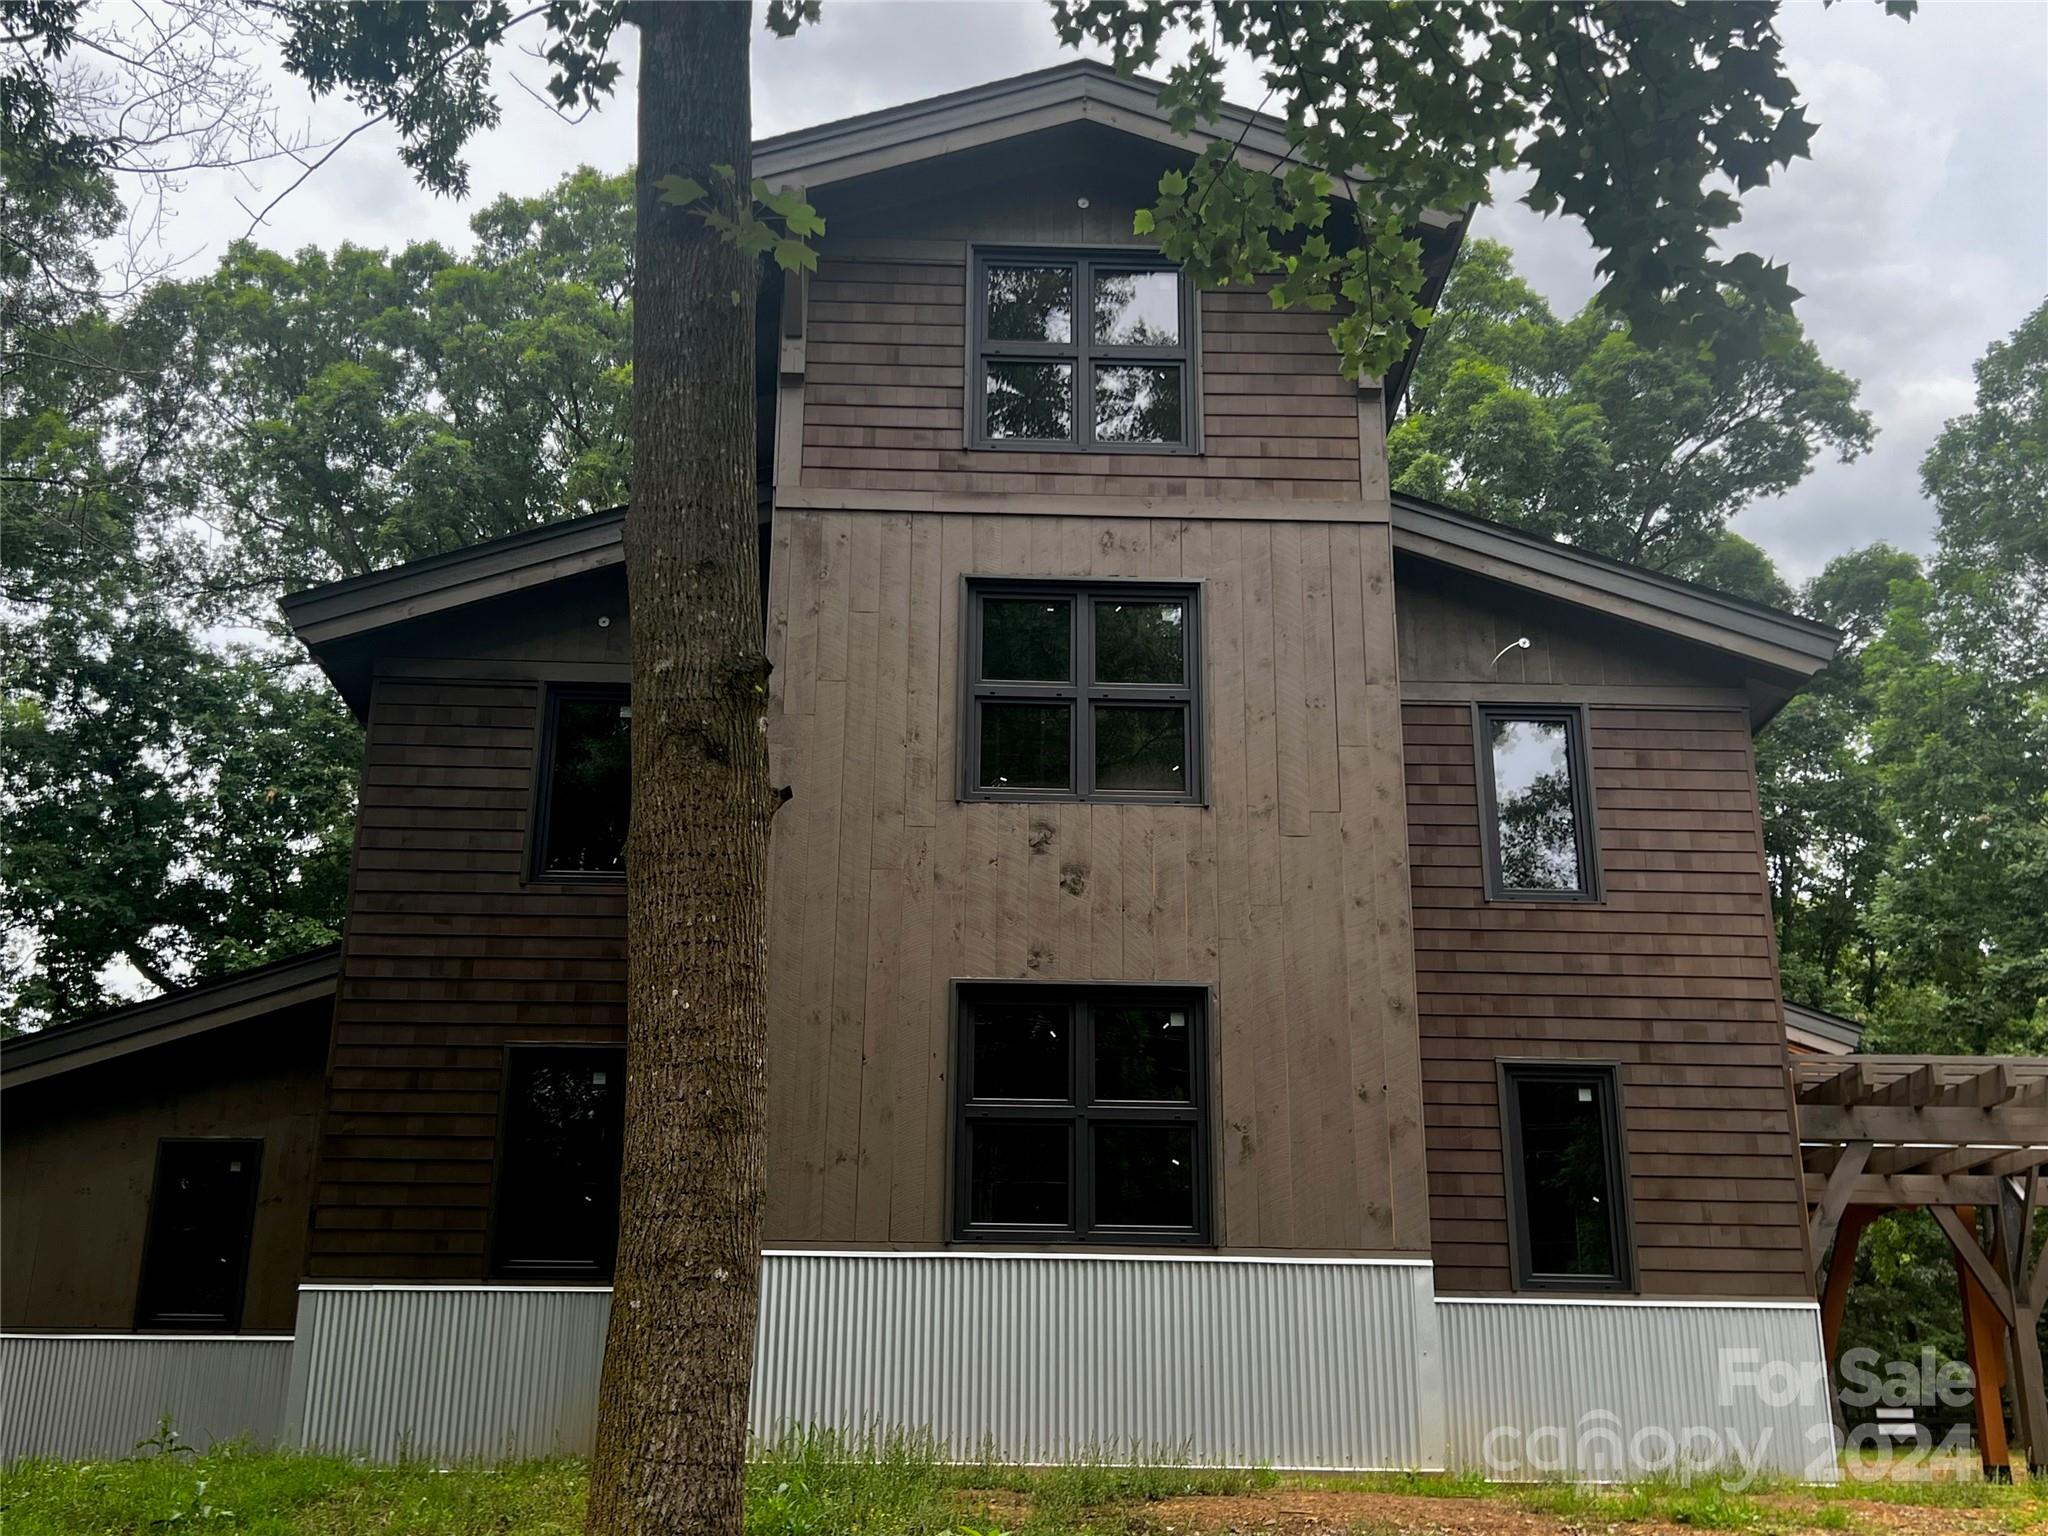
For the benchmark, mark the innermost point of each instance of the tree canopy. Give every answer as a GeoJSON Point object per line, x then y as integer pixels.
{"type": "Point", "coordinates": [1576, 430]}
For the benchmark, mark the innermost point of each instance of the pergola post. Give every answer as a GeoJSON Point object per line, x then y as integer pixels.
{"type": "Point", "coordinates": [1984, 1341]}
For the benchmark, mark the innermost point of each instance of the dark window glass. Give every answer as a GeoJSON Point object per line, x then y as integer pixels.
{"type": "Point", "coordinates": [1564, 1146]}
{"type": "Point", "coordinates": [1021, 1051]}
{"type": "Point", "coordinates": [1139, 642]}
{"type": "Point", "coordinates": [1141, 747]}
{"type": "Point", "coordinates": [1145, 1175]}
{"type": "Point", "coordinates": [1118, 374]}
{"type": "Point", "coordinates": [1021, 1176]}
{"type": "Point", "coordinates": [1143, 1052]}
{"type": "Point", "coordinates": [1114, 1148]}
{"type": "Point", "coordinates": [1026, 746]}
{"type": "Point", "coordinates": [1137, 404]}
{"type": "Point", "coordinates": [200, 1212]}
{"type": "Point", "coordinates": [586, 788]}
{"type": "Point", "coordinates": [1027, 639]}
{"type": "Point", "coordinates": [1538, 841]}
{"type": "Point", "coordinates": [1031, 400]}
{"type": "Point", "coordinates": [1137, 309]}
{"type": "Point", "coordinates": [1031, 303]}
{"type": "Point", "coordinates": [1086, 690]}
{"type": "Point", "coordinates": [560, 1120]}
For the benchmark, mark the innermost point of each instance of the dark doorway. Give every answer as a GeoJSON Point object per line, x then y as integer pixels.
{"type": "Point", "coordinates": [197, 1258]}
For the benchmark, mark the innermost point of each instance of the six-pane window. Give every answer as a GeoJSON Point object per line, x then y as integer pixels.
{"type": "Point", "coordinates": [1081, 1116]}
{"type": "Point", "coordinates": [1538, 810]}
{"type": "Point", "coordinates": [1081, 352]}
{"type": "Point", "coordinates": [1082, 691]}
{"type": "Point", "coordinates": [561, 1116]}
{"type": "Point", "coordinates": [1565, 1175]}
{"type": "Point", "coordinates": [585, 785]}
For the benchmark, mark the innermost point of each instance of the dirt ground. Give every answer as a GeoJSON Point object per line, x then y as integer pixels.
{"type": "Point", "coordinates": [1301, 1512]}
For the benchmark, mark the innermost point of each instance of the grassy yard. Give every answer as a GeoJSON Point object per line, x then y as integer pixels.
{"type": "Point", "coordinates": [812, 1488]}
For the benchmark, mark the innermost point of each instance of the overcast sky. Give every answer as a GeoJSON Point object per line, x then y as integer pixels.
{"type": "Point", "coordinates": [1918, 232]}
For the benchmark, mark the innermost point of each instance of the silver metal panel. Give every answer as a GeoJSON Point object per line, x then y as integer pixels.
{"type": "Point", "coordinates": [72, 1396]}
{"type": "Point", "coordinates": [1608, 1389]}
{"type": "Point", "coordinates": [460, 1373]}
{"type": "Point", "coordinates": [1035, 1358]}
{"type": "Point", "coordinates": [1044, 1359]}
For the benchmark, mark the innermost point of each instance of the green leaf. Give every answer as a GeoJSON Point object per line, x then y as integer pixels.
{"type": "Point", "coordinates": [680, 191]}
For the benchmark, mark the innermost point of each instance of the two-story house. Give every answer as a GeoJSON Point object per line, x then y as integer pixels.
{"type": "Point", "coordinates": [1261, 970]}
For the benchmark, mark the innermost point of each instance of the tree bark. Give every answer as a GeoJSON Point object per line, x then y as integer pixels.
{"type": "Point", "coordinates": [672, 1409]}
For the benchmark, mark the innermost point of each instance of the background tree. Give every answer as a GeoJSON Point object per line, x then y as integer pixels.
{"type": "Point", "coordinates": [1641, 453]}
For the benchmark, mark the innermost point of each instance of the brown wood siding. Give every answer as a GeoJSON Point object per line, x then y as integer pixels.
{"type": "Point", "coordinates": [80, 1163]}
{"type": "Point", "coordinates": [885, 397]}
{"type": "Point", "coordinates": [1672, 975]}
{"type": "Point", "coordinates": [1287, 895]}
{"type": "Point", "coordinates": [450, 954]}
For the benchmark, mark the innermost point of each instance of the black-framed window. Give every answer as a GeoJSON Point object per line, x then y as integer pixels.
{"type": "Point", "coordinates": [1082, 691]}
{"type": "Point", "coordinates": [584, 789]}
{"type": "Point", "coordinates": [1567, 1175]}
{"type": "Point", "coordinates": [1081, 1116]}
{"type": "Point", "coordinates": [1536, 803]}
{"type": "Point", "coordinates": [1081, 351]}
{"type": "Point", "coordinates": [202, 1208]}
{"type": "Point", "coordinates": [561, 1117]}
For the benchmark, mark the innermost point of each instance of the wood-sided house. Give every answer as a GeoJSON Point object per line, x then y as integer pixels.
{"type": "Point", "coordinates": [1260, 968]}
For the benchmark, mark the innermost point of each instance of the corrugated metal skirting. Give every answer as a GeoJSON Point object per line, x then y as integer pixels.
{"type": "Point", "coordinates": [76, 1396]}
{"type": "Point", "coordinates": [1607, 1389]}
{"type": "Point", "coordinates": [1326, 1365]}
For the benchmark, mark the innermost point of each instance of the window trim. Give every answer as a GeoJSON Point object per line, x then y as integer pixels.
{"type": "Point", "coordinates": [145, 1320]}
{"type": "Point", "coordinates": [1082, 696]}
{"type": "Point", "coordinates": [1084, 351]}
{"type": "Point", "coordinates": [533, 867]}
{"type": "Point", "coordinates": [496, 1267]}
{"type": "Point", "coordinates": [1578, 751]}
{"type": "Point", "coordinates": [1507, 1072]}
{"type": "Point", "coordinates": [1081, 1114]}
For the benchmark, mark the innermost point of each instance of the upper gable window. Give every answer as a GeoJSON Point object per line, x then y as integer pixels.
{"type": "Point", "coordinates": [1538, 805]}
{"type": "Point", "coordinates": [585, 785]}
{"type": "Point", "coordinates": [1081, 352]}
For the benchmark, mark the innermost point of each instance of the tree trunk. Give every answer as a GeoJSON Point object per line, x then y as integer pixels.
{"type": "Point", "coordinates": [672, 1411]}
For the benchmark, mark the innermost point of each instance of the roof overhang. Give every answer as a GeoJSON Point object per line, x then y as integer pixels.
{"type": "Point", "coordinates": [1781, 650]}
{"type": "Point", "coordinates": [1821, 1033]}
{"type": "Point", "coordinates": [1080, 90]}
{"type": "Point", "coordinates": [178, 1015]}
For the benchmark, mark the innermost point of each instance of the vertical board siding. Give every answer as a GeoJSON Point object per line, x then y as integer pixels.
{"type": "Point", "coordinates": [1030, 1359]}
{"type": "Point", "coordinates": [885, 399]}
{"type": "Point", "coordinates": [1671, 974]}
{"type": "Point", "coordinates": [1607, 1390]}
{"type": "Point", "coordinates": [1286, 895]}
{"type": "Point", "coordinates": [73, 1397]}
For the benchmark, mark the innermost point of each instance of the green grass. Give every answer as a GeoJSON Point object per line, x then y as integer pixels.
{"type": "Point", "coordinates": [817, 1485]}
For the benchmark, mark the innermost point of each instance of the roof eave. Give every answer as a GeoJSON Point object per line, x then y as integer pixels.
{"type": "Point", "coordinates": [32, 1058]}
{"type": "Point", "coordinates": [1781, 644]}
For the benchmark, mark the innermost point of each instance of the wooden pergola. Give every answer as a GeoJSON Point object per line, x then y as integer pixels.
{"type": "Point", "coordinates": [1966, 1138]}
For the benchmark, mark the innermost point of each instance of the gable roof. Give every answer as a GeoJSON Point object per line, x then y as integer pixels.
{"type": "Point", "coordinates": [1079, 90]}
{"type": "Point", "coordinates": [176, 1015]}
{"type": "Point", "coordinates": [1781, 649]}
